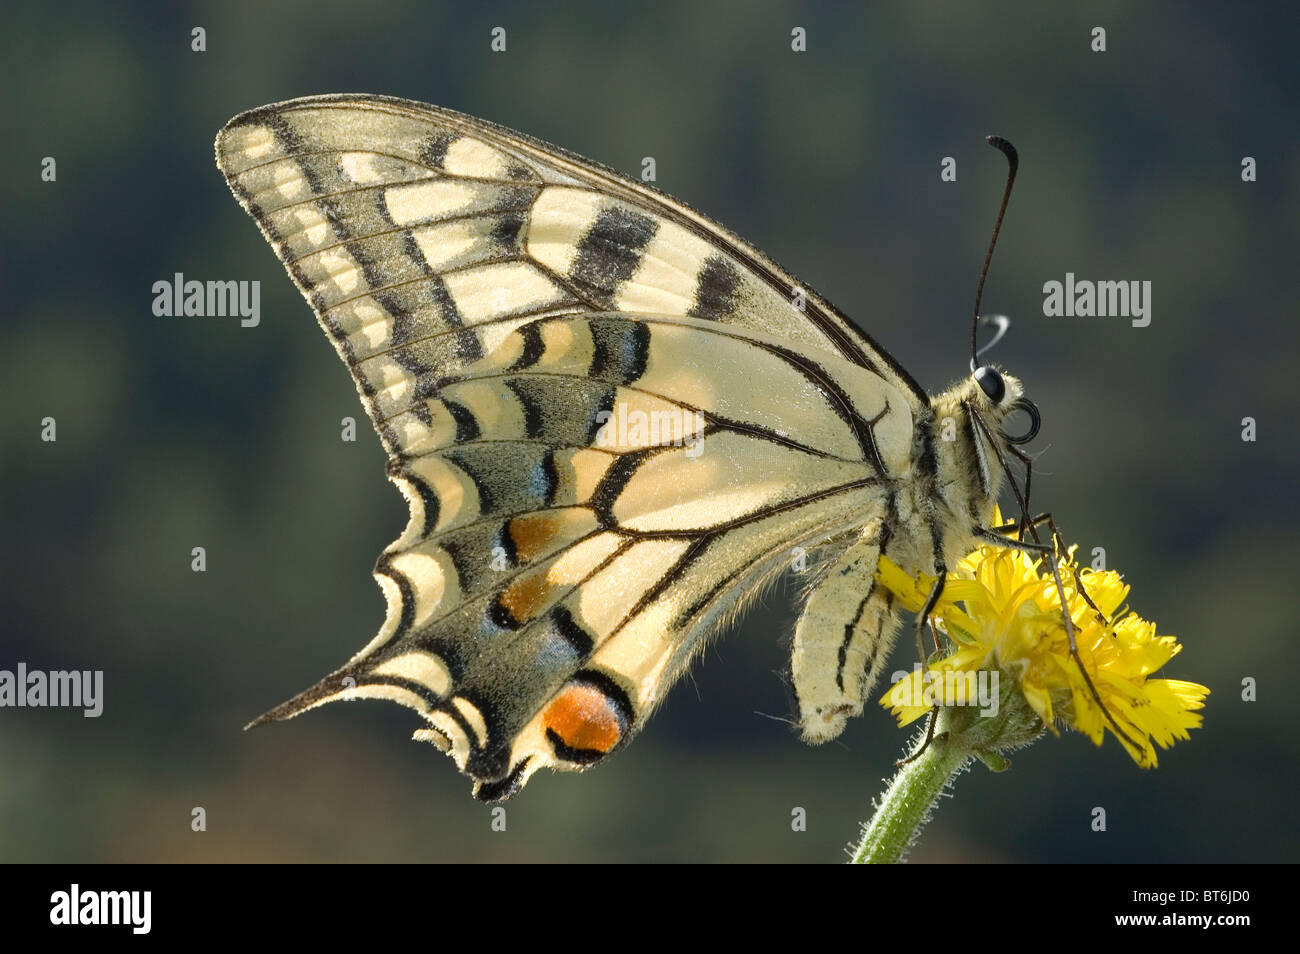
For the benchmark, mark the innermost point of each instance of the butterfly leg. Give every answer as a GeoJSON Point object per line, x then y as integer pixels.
{"type": "Point", "coordinates": [1061, 547]}
{"type": "Point", "coordinates": [924, 617]}
{"type": "Point", "coordinates": [1050, 552]}
{"type": "Point", "coordinates": [1030, 525]}
{"type": "Point", "coordinates": [925, 744]}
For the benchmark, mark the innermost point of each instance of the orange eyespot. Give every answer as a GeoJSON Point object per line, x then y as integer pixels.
{"type": "Point", "coordinates": [583, 719]}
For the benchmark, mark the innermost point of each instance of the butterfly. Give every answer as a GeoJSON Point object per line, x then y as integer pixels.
{"type": "Point", "coordinates": [613, 421]}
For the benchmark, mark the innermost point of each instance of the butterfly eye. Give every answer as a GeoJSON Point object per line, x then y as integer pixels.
{"type": "Point", "coordinates": [991, 383]}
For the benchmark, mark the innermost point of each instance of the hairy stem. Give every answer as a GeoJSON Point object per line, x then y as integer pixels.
{"type": "Point", "coordinates": [909, 800]}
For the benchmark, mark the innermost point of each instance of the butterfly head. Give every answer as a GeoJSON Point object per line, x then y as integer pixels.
{"type": "Point", "coordinates": [994, 395]}
{"type": "Point", "coordinates": [1002, 394]}
{"type": "Point", "coordinates": [972, 443]}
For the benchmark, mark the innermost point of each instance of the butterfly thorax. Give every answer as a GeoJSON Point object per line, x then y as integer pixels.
{"type": "Point", "coordinates": [960, 473]}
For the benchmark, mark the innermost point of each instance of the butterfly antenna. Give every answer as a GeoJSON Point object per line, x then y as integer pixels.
{"type": "Point", "coordinates": [1013, 163]}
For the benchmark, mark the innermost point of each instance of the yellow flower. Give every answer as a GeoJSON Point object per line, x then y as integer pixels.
{"type": "Point", "coordinates": [1002, 612]}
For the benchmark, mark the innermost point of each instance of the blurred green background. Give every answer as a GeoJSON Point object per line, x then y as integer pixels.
{"type": "Point", "coordinates": [174, 433]}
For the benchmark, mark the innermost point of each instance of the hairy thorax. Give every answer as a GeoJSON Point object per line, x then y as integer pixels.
{"type": "Point", "coordinates": [959, 473]}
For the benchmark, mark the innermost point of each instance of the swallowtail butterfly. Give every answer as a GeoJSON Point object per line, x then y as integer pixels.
{"type": "Point", "coordinates": [613, 421]}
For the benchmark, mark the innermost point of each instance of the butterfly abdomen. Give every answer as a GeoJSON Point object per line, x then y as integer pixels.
{"type": "Point", "coordinates": [843, 636]}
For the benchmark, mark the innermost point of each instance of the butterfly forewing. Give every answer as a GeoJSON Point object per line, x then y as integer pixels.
{"type": "Point", "coordinates": [517, 320]}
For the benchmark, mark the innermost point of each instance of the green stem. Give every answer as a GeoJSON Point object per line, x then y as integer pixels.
{"type": "Point", "coordinates": [908, 802]}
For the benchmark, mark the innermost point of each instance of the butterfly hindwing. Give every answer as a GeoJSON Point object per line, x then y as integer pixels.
{"type": "Point", "coordinates": [609, 421]}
